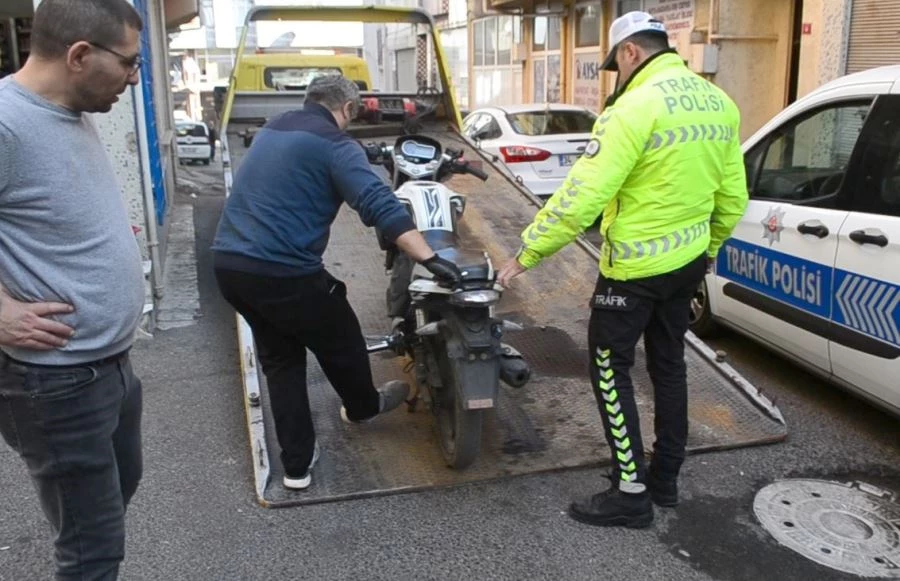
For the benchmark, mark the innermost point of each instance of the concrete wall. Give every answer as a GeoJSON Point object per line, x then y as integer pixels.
{"type": "Point", "coordinates": [754, 40]}
{"type": "Point", "coordinates": [823, 51]}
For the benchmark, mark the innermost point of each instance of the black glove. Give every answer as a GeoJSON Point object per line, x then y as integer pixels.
{"type": "Point", "coordinates": [443, 270]}
{"type": "Point", "coordinates": [373, 152]}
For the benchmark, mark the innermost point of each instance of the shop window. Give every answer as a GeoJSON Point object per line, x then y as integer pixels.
{"type": "Point", "coordinates": [479, 42]}
{"type": "Point", "coordinates": [490, 41]}
{"type": "Point", "coordinates": [587, 26]}
{"type": "Point", "coordinates": [505, 42]}
{"type": "Point", "coordinates": [554, 78]}
{"type": "Point", "coordinates": [554, 33]}
{"type": "Point", "coordinates": [540, 80]}
{"type": "Point", "coordinates": [547, 33]}
{"type": "Point", "coordinates": [540, 34]}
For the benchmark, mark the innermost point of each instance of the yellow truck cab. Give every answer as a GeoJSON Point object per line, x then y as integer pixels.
{"type": "Point", "coordinates": [280, 71]}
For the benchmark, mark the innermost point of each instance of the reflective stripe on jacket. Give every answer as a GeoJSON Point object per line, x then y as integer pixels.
{"type": "Point", "coordinates": [663, 166]}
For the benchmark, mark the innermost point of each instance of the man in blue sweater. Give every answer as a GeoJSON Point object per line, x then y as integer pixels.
{"type": "Point", "coordinates": [268, 250]}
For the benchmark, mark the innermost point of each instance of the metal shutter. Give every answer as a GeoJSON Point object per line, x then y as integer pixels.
{"type": "Point", "coordinates": [874, 35]}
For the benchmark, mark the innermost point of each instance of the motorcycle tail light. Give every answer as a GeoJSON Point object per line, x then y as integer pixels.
{"type": "Point", "coordinates": [523, 153]}
{"type": "Point", "coordinates": [481, 298]}
{"type": "Point", "coordinates": [409, 107]}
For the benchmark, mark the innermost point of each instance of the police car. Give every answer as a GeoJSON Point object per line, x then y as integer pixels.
{"type": "Point", "coordinates": [813, 267]}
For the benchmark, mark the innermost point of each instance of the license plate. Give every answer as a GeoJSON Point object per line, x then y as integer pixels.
{"type": "Point", "coordinates": [567, 160]}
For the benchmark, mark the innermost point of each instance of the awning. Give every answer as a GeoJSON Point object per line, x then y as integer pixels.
{"type": "Point", "coordinates": [180, 12]}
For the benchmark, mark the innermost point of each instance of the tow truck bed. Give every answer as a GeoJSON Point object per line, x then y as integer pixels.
{"type": "Point", "coordinates": [550, 424]}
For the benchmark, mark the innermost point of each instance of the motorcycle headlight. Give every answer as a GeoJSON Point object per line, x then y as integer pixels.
{"type": "Point", "coordinates": [481, 298]}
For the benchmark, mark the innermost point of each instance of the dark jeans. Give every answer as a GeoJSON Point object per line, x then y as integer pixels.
{"type": "Point", "coordinates": [78, 429]}
{"type": "Point", "coordinates": [289, 315]}
{"type": "Point", "coordinates": [657, 307]}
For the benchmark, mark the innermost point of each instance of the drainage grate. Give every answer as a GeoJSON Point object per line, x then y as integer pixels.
{"type": "Point", "coordinates": [851, 527]}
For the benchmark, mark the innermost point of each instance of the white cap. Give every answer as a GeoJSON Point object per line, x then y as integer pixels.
{"type": "Point", "coordinates": [629, 25]}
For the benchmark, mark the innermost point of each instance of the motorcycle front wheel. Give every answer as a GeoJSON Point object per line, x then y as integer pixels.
{"type": "Point", "coordinates": [458, 429]}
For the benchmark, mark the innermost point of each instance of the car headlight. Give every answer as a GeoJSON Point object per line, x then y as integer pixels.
{"type": "Point", "coordinates": [481, 298]}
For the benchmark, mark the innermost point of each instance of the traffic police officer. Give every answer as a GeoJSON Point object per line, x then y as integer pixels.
{"type": "Point", "coordinates": [665, 169]}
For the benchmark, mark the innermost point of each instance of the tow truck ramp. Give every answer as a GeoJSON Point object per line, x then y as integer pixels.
{"type": "Point", "coordinates": [550, 424]}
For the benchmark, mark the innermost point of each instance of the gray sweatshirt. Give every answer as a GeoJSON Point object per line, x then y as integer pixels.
{"type": "Point", "coordinates": [64, 230]}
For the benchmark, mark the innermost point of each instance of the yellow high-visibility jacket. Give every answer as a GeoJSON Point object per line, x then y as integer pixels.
{"type": "Point", "coordinates": [663, 166]}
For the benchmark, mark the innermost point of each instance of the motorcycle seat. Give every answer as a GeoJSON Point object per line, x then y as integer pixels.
{"type": "Point", "coordinates": [473, 264]}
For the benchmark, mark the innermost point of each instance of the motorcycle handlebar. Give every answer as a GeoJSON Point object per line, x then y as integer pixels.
{"type": "Point", "coordinates": [378, 153]}
{"type": "Point", "coordinates": [477, 173]}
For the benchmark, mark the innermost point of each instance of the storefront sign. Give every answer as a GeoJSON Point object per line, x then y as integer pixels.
{"type": "Point", "coordinates": [678, 16]}
{"type": "Point", "coordinates": [587, 81]}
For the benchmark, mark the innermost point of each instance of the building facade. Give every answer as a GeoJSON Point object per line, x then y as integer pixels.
{"type": "Point", "coordinates": [765, 53]}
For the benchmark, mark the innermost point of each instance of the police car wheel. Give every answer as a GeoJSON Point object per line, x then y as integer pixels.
{"type": "Point", "coordinates": [701, 319]}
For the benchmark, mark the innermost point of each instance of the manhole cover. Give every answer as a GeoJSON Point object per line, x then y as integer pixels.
{"type": "Point", "coordinates": [852, 527]}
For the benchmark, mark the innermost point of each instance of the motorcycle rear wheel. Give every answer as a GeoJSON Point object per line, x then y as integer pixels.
{"type": "Point", "coordinates": [458, 429]}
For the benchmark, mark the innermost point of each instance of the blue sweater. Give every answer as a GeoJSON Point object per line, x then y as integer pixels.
{"type": "Point", "coordinates": [288, 190]}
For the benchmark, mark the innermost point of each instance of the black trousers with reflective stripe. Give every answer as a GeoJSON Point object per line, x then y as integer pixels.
{"type": "Point", "coordinates": [658, 308]}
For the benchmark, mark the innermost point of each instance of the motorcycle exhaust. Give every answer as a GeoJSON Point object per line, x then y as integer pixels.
{"type": "Point", "coordinates": [514, 371]}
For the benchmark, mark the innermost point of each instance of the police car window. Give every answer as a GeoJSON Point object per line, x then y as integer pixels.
{"type": "Point", "coordinates": [890, 185]}
{"type": "Point", "coordinates": [878, 165]}
{"type": "Point", "coordinates": [805, 160]}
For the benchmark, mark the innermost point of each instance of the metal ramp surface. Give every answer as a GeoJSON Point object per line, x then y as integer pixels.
{"type": "Point", "coordinates": [550, 424]}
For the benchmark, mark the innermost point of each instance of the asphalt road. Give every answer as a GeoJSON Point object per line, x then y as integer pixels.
{"type": "Point", "coordinates": [194, 517]}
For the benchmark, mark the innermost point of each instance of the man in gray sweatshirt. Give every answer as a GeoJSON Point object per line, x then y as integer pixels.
{"type": "Point", "coordinates": [71, 282]}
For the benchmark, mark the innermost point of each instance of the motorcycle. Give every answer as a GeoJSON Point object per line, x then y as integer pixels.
{"type": "Point", "coordinates": [450, 334]}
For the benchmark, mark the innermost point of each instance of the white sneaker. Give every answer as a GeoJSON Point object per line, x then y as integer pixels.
{"type": "Point", "coordinates": [303, 482]}
{"type": "Point", "coordinates": [390, 396]}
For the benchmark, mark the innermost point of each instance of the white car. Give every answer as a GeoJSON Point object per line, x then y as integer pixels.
{"type": "Point", "coordinates": [813, 268]}
{"type": "Point", "coordinates": [536, 143]}
{"type": "Point", "coordinates": [192, 141]}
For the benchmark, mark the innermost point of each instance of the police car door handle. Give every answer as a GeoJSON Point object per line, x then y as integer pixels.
{"type": "Point", "coordinates": [814, 227]}
{"type": "Point", "coordinates": [869, 236]}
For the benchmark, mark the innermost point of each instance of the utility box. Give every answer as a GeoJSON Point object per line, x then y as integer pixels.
{"type": "Point", "coordinates": [705, 58]}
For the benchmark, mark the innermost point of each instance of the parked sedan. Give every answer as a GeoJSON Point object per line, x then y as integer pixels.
{"type": "Point", "coordinates": [537, 143]}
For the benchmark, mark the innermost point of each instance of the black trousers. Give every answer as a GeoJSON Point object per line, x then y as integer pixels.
{"type": "Point", "coordinates": [289, 315]}
{"type": "Point", "coordinates": [656, 307]}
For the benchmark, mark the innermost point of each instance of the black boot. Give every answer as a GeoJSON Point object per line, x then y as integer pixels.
{"type": "Point", "coordinates": [613, 508]}
{"type": "Point", "coordinates": [663, 488]}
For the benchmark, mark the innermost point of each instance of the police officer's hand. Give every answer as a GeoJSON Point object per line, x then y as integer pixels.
{"type": "Point", "coordinates": [30, 326]}
{"type": "Point", "coordinates": [510, 270]}
{"type": "Point", "coordinates": [443, 270]}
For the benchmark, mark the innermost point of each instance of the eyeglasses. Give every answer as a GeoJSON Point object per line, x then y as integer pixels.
{"type": "Point", "coordinates": [133, 63]}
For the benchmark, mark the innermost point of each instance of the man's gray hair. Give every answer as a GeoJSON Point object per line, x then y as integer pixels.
{"type": "Point", "coordinates": [332, 91]}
